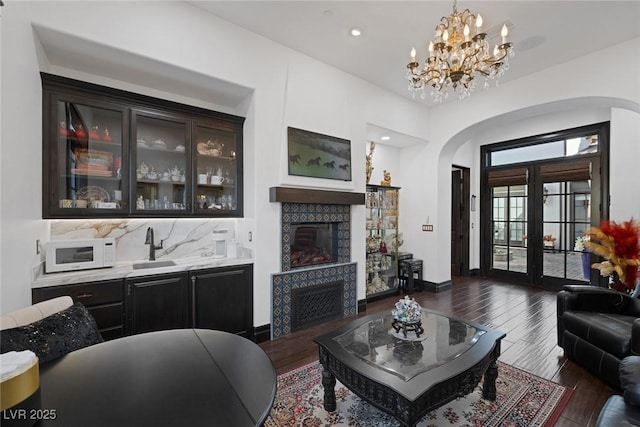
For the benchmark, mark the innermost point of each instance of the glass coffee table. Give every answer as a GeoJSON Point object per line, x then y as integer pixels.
{"type": "Point", "coordinates": [409, 377]}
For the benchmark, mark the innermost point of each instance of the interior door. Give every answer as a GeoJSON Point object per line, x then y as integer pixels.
{"type": "Point", "coordinates": [460, 206]}
{"type": "Point", "coordinates": [456, 195]}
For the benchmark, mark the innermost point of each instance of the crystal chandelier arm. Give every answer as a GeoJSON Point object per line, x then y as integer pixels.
{"type": "Point", "coordinates": [503, 49]}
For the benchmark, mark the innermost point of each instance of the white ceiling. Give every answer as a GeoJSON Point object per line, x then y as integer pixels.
{"type": "Point", "coordinates": [544, 33]}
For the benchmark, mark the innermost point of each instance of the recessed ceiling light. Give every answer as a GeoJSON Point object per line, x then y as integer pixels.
{"type": "Point", "coordinates": [385, 138]}
{"type": "Point", "coordinates": [355, 32]}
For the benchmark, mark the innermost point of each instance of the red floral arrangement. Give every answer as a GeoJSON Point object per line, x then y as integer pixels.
{"type": "Point", "coordinates": [619, 245]}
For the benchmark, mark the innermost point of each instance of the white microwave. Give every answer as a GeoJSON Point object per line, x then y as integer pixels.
{"type": "Point", "coordinates": [72, 255]}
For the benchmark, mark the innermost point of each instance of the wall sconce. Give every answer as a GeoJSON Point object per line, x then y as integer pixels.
{"type": "Point", "coordinates": [545, 194]}
{"type": "Point", "coordinates": [473, 203]}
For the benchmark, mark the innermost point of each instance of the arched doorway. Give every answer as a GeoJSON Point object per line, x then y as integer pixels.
{"type": "Point", "coordinates": [539, 194]}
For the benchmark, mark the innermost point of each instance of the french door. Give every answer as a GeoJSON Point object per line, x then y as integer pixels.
{"type": "Point", "coordinates": [534, 213]}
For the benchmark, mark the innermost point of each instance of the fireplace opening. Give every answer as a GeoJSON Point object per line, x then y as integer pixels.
{"type": "Point", "coordinates": [313, 243]}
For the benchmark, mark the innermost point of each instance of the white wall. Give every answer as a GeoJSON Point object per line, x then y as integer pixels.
{"type": "Point", "coordinates": [624, 165]}
{"type": "Point", "coordinates": [575, 88]}
{"type": "Point", "coordinates": [625, 153]}
{"type": "Point", "coordinates": [284, 93]}
{"type": "Point", "coordinates": [515, 129]}
{"type": "Point", "coordinates": [21, 171]}
{"type": "Point", "coordinates": [290, 89]}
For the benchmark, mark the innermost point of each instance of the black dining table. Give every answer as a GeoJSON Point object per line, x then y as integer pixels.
{"type": "Point", "coordinates": [182, 377]}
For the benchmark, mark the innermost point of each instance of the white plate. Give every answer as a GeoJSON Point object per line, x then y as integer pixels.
{"type": "Point", "coordinates": [93, 192]}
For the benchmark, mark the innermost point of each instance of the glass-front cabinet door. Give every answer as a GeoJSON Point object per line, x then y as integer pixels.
{"type": "Point", "coordinates": [160, 167]}
{"type": "Point", "coordinates": [216, 170]}
{"type": "Point", "coordinates": [84, 159]}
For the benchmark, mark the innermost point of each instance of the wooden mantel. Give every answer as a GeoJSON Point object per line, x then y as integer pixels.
{"type": "Point", "coordinates": [305, 195]}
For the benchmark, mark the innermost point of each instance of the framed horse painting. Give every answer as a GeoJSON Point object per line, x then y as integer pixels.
{"type": "Point", "coordinates": [318, 156]}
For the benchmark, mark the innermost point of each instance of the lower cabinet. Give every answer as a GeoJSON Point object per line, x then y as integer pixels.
{"type": "Point", "coordinates": [222, 299]}
{"type": "Point", "coordinates": [104, 300]}
{"type": "Point", "coordinates": [218, 298]}
{"type": "Point", "coordinates": [158, 302]}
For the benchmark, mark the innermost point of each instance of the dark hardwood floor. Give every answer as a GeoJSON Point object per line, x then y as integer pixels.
{"type": "Point", "coordinates": [526, 314]}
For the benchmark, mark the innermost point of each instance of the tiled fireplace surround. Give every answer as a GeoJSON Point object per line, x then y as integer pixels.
{"type": "Point", "coordinates": [285, 285]}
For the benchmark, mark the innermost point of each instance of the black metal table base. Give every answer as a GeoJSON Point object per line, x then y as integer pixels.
{"type": "Point", "coordinates": [407, 327]}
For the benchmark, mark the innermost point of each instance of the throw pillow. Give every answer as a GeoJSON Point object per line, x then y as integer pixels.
{"type": "Point", "coordinates": [55, 335]}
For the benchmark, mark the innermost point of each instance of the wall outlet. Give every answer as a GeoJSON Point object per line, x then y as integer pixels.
{"type": "Point", "coordinates": [427, 227]}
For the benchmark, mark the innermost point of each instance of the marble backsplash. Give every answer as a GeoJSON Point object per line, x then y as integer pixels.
{"type": "Point", "coordinates": [182, 237]}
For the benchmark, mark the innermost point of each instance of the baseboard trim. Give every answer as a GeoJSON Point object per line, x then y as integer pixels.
{"type": "Point", "coordinates": [475, 272]}
{"type": "Point", "coordinates": [262, 333]}
{"type": "Point", "coordinates": [437, 287]}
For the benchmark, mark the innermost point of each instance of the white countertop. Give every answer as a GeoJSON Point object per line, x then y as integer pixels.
{"type": "Point", "coordinates": [126, 270]}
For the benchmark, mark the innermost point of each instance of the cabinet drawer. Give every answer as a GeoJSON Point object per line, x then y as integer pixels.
{"type": "Point", "coordinates": [108, 316]}
{"type": "Point", "coordinates": [112, 334]}
{"type": "Point", "coordinates": [88, 294]}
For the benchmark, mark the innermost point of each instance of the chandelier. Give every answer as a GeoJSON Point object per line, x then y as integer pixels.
{"type": "Point", "coordinates": [458, 57]}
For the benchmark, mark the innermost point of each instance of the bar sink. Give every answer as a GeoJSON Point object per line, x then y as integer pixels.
{"type": "Point", "coordinates": [153, 264]}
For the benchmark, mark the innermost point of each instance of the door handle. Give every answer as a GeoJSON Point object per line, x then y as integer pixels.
{"type": "Point", "coordinates": [193, 301]}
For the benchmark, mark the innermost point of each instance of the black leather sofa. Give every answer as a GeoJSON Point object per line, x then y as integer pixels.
{"type": "Point", "coordinates": [598, 328]}
{"type": "Point", "coordinates": [624, 410]}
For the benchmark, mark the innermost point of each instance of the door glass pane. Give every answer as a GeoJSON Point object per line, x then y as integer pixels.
{"type": "Point", "coordinates": [509, 210]}
{"type": "Point", "coordinates": [548, 150]}
{"type": "Point", "coordinates": [89, 157]}
{"type": "Point", "coordinates": [161, 164]}
{"type": "Point", "coordinates": [216, 170]}
{"type": "Point", "coordinates": [566, 217]}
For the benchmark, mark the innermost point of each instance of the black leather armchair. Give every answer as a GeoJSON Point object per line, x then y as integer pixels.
{"type": "Point", "coordinates": [624, 410]}
{"type": "Point", "coordinates": [597, 328]}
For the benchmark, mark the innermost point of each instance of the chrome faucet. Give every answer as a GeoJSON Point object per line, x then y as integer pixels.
{"type": "Point", "coordinates": [152, 246]}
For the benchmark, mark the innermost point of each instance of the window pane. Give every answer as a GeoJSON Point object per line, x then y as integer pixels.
{"type": "Point", "coordinates": [566, 217]}
{"type": "Point", "coordinates": [548, 150]}
{"type": "Point", "coordinates": [509, 205]}
{"type": "Point", "coordinates": [499, 232]}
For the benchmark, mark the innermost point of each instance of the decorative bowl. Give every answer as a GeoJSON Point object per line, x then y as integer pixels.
{"type": "Point", "coordinates": [407, 310]}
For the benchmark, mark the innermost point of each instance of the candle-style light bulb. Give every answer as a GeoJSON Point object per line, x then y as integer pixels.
{"type": "Point", "coordinates": [413, 54]}
{"type": "Point", "coordinates": [504, 33]}
{"type": "Point", "coordinates": [466, 32]}
{"type": "Point", "coordinates": [478, 23]}
{"type": "Point", "coordinates": [430, 48]}
{"type": "Point", "coordinates": [445, 35]}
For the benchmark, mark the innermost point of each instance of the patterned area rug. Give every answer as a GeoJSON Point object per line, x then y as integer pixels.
{"type": "Point", "coordinates": [523, 400]}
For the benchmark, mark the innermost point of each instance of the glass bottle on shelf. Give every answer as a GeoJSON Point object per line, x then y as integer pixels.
{"type": "Point", "coordinates": [89, 151]}
{"type": "Point", "coordinates": [161, 167]}
{"type": "Point", "coordinates": [216, 170]}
